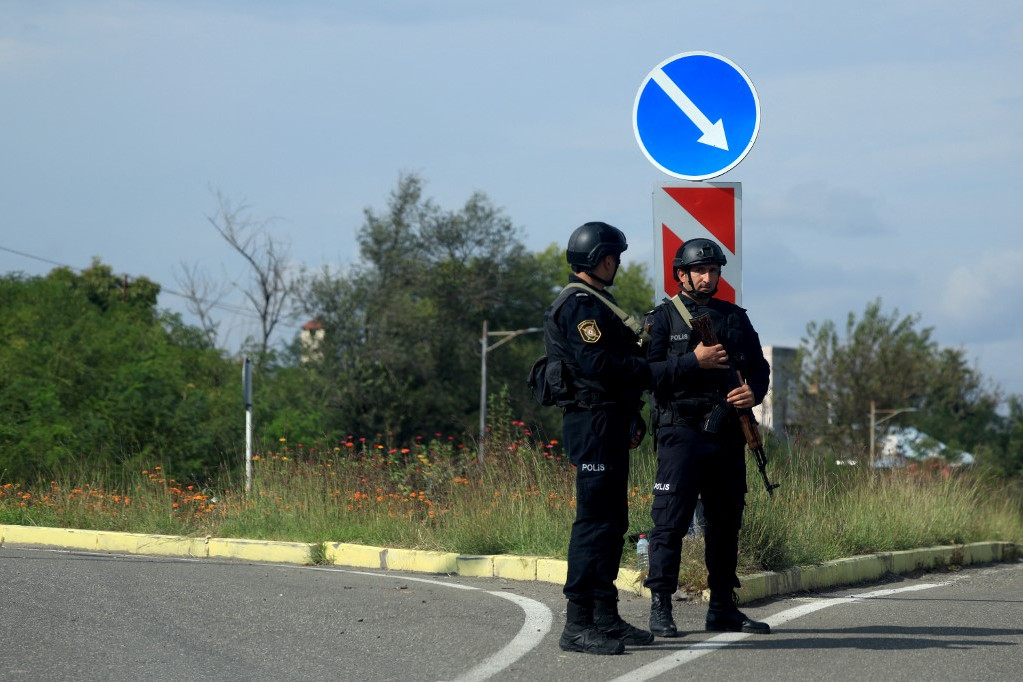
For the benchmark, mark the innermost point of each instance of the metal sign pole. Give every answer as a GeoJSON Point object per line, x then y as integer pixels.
{"type": "Point", "coordinates": [247, 395]}
{"type": "Point", "coordinates": [483, 390]}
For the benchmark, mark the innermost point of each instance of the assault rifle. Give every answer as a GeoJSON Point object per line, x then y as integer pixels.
{"type": "Point", "coordinates": [705, 331]}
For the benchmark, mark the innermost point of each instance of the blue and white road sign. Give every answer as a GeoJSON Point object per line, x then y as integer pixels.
{"type": "Point", "coordinates": [696, 116]}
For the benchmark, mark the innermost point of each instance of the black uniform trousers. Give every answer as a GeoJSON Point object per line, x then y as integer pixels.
{"type": "Point", "coordinates": [597, 443]}
{"type": "Point", "coordinates": [692, 464]}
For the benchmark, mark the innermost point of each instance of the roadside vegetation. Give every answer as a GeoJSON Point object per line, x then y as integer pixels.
{"type": "Point", "coordinates": [117, 415]}
{"type": "Point", "coordinates": [436, 495]}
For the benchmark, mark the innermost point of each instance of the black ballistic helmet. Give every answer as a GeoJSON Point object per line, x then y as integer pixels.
{"type": "Point", "coordinates": [591, 242]}
{"type": "Point", "coordinates": [697, 252]}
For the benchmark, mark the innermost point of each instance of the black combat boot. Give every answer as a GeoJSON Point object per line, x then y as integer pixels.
{"type": "Point", "coordinates": [607, 620]}
{"type": "Point", "coordinates": [582, 635]}
{"type": "Point", "coordinates": [661, 622]}
{"type": "Point", "coordinates": [723, 615]}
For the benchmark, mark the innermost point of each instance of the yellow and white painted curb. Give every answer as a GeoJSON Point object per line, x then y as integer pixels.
{"type": "Point", "coordinates": [873, 566]}
{"type": "Point", "coordinates": [756, 586]}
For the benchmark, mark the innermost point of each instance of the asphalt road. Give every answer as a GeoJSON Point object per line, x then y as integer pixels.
{"type": "Point", "coordinates": [88, 616]}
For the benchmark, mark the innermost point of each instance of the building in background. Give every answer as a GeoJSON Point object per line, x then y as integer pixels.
{"type": "Point", "coordinates": [311, 335]}
{"type": "Point", "coordinates": [777, 412]}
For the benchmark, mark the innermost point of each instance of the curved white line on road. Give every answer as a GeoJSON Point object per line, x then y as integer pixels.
{"type": "Point", "coordinates": [689, 654]}
{"type": "Point", "coordinates": [534, 629]}
{"type": "Point", "coordinates": [536, 626]}
{"type": "Point", "coordinates": [393, 577]}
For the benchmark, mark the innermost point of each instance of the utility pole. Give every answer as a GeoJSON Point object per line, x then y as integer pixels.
{"type": "Point", "coordinates": [484, 348]}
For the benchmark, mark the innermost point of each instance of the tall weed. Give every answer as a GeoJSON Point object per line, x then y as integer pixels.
{"type": "Point", "coordinates": [520, 499]}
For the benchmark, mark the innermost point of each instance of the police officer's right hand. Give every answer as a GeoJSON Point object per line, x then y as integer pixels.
{"type": "Point", "coordinates": [711, 357]}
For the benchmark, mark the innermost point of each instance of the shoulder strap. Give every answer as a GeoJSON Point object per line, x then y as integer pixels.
{"type": "Point", "coordinates": [559, 300]}
{"type": "Point", "coordinates": [687, 316]}
{"type": "Point", "coordinates": [628, 320]}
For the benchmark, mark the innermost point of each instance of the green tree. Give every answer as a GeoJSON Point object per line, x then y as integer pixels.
{"type": "Point", "coordinates": [92, 373]}
{"type": "Point", "coordinates": [1002, 448]}
{"type": "Point", "coordinates": [633, 289]}
{"type": "Point", "coordinates": [402, 329]}
{"type": "Point", "coordinates": [890, 360]}
{"type": "Point", "coordinates": [1008, 458]}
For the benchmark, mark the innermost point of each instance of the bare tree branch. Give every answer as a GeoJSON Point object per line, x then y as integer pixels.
{"type": "Point", "coordinates": [202, 295]}
{"type": "Point", "coordinates": [267, 258]}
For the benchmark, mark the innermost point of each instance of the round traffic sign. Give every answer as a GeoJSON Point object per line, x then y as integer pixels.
{"type": "Point", "coordinates": [696, 115]}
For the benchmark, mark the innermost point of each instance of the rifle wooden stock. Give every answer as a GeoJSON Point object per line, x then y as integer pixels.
{"type": "Point", "coordinates": [704, 330]}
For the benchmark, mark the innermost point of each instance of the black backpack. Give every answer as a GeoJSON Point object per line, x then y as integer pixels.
{"type": "Point", "coordinates": [546, 381]}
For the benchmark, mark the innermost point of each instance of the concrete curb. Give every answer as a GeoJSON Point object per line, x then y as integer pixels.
{"type": "Point", "coordinates": [756, 586]}
{"type": "Point", "coordinates": [871, 567]}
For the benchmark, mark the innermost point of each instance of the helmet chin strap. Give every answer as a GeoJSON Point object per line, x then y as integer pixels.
{"type": "Point", "coordinates": [605, 282]}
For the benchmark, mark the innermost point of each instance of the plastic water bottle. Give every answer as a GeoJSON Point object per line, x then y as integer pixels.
{"type": "Point", "coordinates": [643, 553]}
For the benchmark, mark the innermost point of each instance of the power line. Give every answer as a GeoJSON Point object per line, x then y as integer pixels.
{"type": "Point", "coordinates": [236, 310]}
{"type": "Point", "coordinates": [28, 255]}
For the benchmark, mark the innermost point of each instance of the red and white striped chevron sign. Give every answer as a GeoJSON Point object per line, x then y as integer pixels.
{"type": "Point", "coordinates": [687, 210]}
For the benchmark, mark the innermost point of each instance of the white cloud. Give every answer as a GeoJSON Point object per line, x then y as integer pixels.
{"type": "Point", "coordinates": [890, 133]}
{"type": "Point", "coordinates": [981, 293]}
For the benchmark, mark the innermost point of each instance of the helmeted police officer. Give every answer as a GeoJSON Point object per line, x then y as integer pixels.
{"type": "Point", "coordinates": [700, 446]}
{"type": "Point", "coordinates": [600, 375]}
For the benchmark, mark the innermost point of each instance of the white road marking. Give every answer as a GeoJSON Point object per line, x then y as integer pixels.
{"type": "Point", "coordinates": [395, 577]}
{"type": "Point", "coordinates": [534, 629]}
{"type": "Point", "coordinates": [689, 654]}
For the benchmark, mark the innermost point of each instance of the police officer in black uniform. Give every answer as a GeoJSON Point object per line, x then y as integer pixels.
{"type": "Point", "coordinates": [599, 374]}
{"type": "Point", "coordinates": [700, 446]}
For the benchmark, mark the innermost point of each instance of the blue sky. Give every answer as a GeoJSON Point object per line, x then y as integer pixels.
{"type": "Point", "coordinates": [888, 162]}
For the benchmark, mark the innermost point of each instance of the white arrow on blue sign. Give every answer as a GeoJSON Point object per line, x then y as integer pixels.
{"type": "Point", "coordinates": [696, 116]}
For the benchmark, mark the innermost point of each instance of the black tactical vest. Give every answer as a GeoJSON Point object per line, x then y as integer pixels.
{"type": "Point", "coordinates": [696, 396]}
{"type": "Point", "coordinates": [574, 390]}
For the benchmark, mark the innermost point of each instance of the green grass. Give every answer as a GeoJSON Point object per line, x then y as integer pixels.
{"type": "Point", "coordinates": [520, 500]}
{"type": "Point", "coordinates": [825, 512]}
